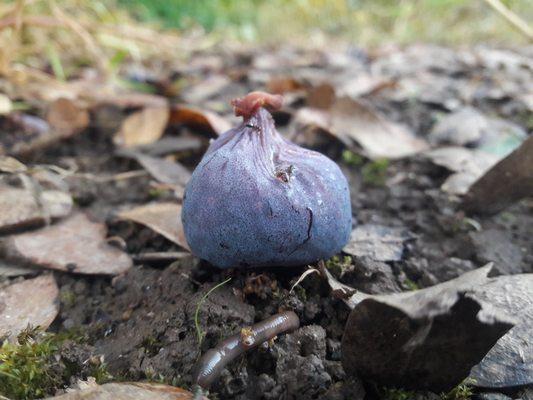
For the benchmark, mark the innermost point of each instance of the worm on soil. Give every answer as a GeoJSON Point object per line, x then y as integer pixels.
{"type": "Point", "coordinates": [215, 360]}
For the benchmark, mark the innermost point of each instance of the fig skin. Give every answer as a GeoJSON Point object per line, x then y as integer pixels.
{"type": "Point", "coordinates": [256, 199]}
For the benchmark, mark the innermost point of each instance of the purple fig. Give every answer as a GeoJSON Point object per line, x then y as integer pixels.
{"type": "Point", "coordinates": [257, 199]}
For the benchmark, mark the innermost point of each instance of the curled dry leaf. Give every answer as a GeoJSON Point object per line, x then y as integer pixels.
{"type": "Point", "coordinates": [163, 218]}
{"type": "Point", "coordinates": [75, 245]}
{"type": "Point", "coordinates": [510, 362]}
{"type": "Point", "coordinates": [67, 117]}
{"type": "Point", "coordinates": [424, 340]}
{"type": "Point", "coordinates": [508, 181]}
{"type": "Point", "coordinates": [126, 391]}
{"type": "Point", "coordinates": [196, 118]}
{"type": "Point", "coordinates": [142, 127]}
{"type": "Point", "coordinates": [380, 243]}
{"type": "Point", "coordinates": [21, 208]}
{"type": "Point", "coordinates": [30, 302]}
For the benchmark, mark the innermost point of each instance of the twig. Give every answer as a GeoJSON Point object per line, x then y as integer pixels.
{"type": "Point", "coordinates": [512, 18]}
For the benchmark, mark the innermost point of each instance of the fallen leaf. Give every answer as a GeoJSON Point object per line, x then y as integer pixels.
{"type": "Point", "coordinates": [510, 362]}
{"type": "Point", "coordinates": [30, 302]}
{"type": "Point", "coordinates": [462, 127]}
{"type": "Point", "coordinates": [380, 243]}
{"type": "Point", "coordinates": [163, 218]}
{"type": "Point", "coordinates": [165, 171]}
{"type": "Point", "coordinates": [378, 136]}
{"type": "Point", "coordinates": [27, 134]}
{"type": "Point", "coordinates": [283, 84]}
{"type": "Point", "coordinates": [468, 164]}
{"type": "Point", "coordinates": [321, 96]}
{"type": "Point", "coordinates": [469, 127]}
{"type": "Point", "coordinates": [362, 84]}
{"type": "Point", "coordinates": [11, 270]}
{"type": "Point", "coordinates": [510, 180]}
{"type": "Point", "coordinates": [354, 122]}
{"type": "Point", "coordinates": [438, 333]}
{"type": "Point", "coordinates": [170, 144]}
{"type": "Point", "coordinates": [67, 117]}
{"type": "Point", "coordinates": [198, 119]}
{"type": "Point", "coordinates": [74, 244]}
{"type": "Point", "coordinates": [205, 89]}
{"type": "Point", "coordinates": [20, 208]}
{"type": "Point", "coordinates": [11, 165]}
{"type": "Point", "coordinates": [125, 391]}
{"type": "Point", "coordinates": [142, 127]}
{"type": "Point", "coordinates": [5, 104]}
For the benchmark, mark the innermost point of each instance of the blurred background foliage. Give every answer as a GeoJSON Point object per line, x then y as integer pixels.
{"type": "Point", "coordinates": [366, 22]}
{"type": "Point", "coordinates": [74, 33]}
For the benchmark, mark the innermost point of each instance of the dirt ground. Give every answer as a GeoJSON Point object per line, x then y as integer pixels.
{"type": "Point", "coordinates": [143, 322]}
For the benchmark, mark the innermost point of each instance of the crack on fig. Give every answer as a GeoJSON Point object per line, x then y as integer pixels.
{"type": "Point", "coordinates": [309, 226]}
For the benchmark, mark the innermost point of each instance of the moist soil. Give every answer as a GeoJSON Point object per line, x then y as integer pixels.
{"type": "Point", "coordinates": [143, 323]}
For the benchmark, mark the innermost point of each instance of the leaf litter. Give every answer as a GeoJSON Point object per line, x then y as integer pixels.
{"type": "Point", "coordinates": [380, 104]}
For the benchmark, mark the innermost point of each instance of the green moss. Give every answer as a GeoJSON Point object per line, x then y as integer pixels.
{"type": "Point", "coordinates": [336, 264]}
{"type": "Point", "coordinates": [410, 284]}
{"type": "Point", "coordinates": [396, 394]}
{"type": "Point", "coordinates": [463, 391]}
{"type": "Point", "coordinates": [29, 366]}
{"type": "Point", "coordinates": [352, 159]}
{"type": "Point", "coordinates": [26, 366]}
{"type": "Point", "coordinates": [375, 172]}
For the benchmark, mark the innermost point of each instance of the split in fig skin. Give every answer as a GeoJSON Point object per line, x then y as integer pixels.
{"type": "Point", "coordinates": [256, 199]}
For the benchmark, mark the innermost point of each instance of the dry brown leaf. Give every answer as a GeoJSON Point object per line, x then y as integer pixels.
{"type": "Point", "coordinates": [283, 84]}
{"type": "Point", "coordinates": [5, 104]}
{"type": "Point", "coordinates": [163, 218]}
{"type": "Point", "coordinates": [321, 96]}
{"type": "Point", "coordinates": [205, 89]}
{"type": "Point", "coordinates": [508, 181]}
{"type": "Point", "coordinates": [142, 127]}
{"type": "Point", "coordinates": [75, 244]}
{"type": "Point", "coordinates": [125, 391]}
{"type": "Point", "coordinates": [129, 100]}
{"type": "Point", "coordinates": [170, 144]}
{"type": "Point", "coordinates": [354, 122]}
{"type": "Point", "coordinates": [67, 117]}
{"type": "Point", "coordinates": [20, 208]}
{"type": "Point", "coordinates": [165, 171]}
{"type": "Point", "coordinates": [30, 302]}
{"type": "Point", "coordinates": [11, 165]}
{"type": "Point", "coordinates": [377, 135]}
{"type": "Point", "coordinates": [198, 119]}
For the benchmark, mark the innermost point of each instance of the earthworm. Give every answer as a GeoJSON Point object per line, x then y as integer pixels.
{"type": "Point", "coordinates": [209, 367]}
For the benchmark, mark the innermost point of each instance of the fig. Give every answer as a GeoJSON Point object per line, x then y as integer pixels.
{"type": "Point", "coordinates": [257, 199]}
